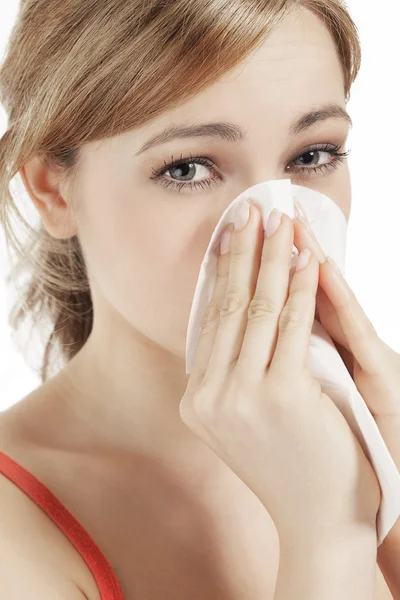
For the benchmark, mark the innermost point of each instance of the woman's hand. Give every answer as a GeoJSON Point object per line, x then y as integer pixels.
{"type": "Point", "coordinates": [373, 365]}
{"type": "Point", "coordinates": [251, 399]}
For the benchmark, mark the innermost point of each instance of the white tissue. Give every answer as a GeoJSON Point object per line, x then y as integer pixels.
{"type": "Point", "coordinates": [330, 227]}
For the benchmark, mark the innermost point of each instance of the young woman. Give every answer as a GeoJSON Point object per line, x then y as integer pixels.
{"type": "Point", "coordinates": [133, 126]}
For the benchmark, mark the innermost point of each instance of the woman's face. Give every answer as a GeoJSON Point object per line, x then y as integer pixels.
{"type": "Point", "coordinates": [144, 237]}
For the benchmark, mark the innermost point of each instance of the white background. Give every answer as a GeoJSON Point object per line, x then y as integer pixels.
{"type": "Point", "coordinates": [372, 268]}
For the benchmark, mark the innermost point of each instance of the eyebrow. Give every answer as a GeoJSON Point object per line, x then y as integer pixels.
{"type": "Point", "coordinates": [234, 133]}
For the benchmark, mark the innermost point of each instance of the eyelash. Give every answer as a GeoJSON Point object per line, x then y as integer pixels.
{"type": "Point", "coordinates": [339, 157]}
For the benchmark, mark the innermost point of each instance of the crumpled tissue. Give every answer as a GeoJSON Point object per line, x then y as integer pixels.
{"type": "Point", "coordinates": [324, 361]}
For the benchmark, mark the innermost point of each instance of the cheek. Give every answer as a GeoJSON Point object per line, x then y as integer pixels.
{"type": "Point", "coordinates": [143, 261]}
{"type": "Point", "coordinates": [343, 190]}
{"type": "Point", "coordinates": [337, 186]}
{"type": "Point", "coordinates": [164, 257]}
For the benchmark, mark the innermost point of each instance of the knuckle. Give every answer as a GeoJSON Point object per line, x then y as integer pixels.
{"type": "Point", "coordinates": [211, 315]}
{"type": "Point", "coordinates": [290, 320]}
{"type": "Point", "coordinates": [245, 411]}
{"type": "Point", "coordinates": [300, 297]}
{"type": "Point", "coordinates": [278, 387]}
{"type": "Point", "coordinates": [203, 405]}
{"type": "Point", "coordinates": [286, 386]}
{"type": "Point", "coordinates": [263, 307]}
{"type": "Point", "coordinates": [233, 303]}
{"type": "Point", "coordinates": [239, 393]}
{"type": "Point", "coordinates": [282, 393]}
{"type": "Point", "coordinates": [237, 249]}
{"type": "Point", "coordinates": [297, 311]}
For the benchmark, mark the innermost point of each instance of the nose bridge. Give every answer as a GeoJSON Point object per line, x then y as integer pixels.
{"type": "Point", "coordinates": [263, 170]}
{"type": "Point", "coordinates": [264, 155]}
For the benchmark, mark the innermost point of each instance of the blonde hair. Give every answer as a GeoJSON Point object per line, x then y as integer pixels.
{"type": "Point", "coordinates": [76, 72]}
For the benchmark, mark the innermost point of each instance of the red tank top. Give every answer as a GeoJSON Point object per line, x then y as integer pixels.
{"type": "Point", "coordinates": [103, 573]}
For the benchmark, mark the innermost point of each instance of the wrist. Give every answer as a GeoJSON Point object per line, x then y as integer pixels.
{"type": "Point", "coordinates": [351, 539]}
{"type": "Point", "coordinates": [333, 538]}
{"type": "Point", "coordinates": [330, 568]}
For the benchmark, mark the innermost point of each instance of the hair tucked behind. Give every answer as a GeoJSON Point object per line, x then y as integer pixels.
{"type": "Point", "coordinates": [77, 72]}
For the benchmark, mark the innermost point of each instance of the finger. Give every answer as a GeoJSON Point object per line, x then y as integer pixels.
{"type": "Point", "coordinates": [210, 321]}
{"type": "Point", "coordinates": [346, 356]}
{"type": "Point", "coordinates": [363, 340]}
{"type": "Point", "coordinates": [244, 251]}
{"type": "Point", "coordinates": [349, 324]}
{"type": "Point", "coordinates": [304, 237]}
{"type": "Point", "coordinates": [267, 303]}
{"type": "Point", "coordinates": [296, 321]}
{"type": "Point", "coordinates": [329, 319]}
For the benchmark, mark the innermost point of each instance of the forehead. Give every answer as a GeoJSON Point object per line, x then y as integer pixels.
{"type": "Point", "coordinates": [297, 65]}
{"type": "Point", "coordinates": [295, 70]}
{"type": "Point", "coordinates": [300, 43]}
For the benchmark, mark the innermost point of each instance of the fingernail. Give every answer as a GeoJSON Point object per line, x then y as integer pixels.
{"type": "Point", "coordinates": [303, 259]}
{"type": "Point", "coordinates": [301, 215]}
{"type": "Point", "coordinates": [274, 220]}
{"type": "Point", "coordinates": [225, 241]}
{"type": "Point", "coordinates": [241, 215]}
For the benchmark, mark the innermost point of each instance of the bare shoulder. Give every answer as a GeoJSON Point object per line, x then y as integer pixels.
{"type": "Point", "coordinates": [31, 552]}
{"type": "Point", "coordinates": [36, 558]}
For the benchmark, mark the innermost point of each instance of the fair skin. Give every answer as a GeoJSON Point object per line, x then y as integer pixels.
{"type": "Point", "coordinates": [144, 243]}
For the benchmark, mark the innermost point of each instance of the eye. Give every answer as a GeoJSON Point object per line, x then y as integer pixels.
{"type": "Point", "coordinates": [186, 167]}
{"type": "Point", "coordinates": [311, 159]}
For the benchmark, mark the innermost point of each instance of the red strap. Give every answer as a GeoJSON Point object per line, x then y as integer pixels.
{"type": "Point", "coordinates": [103, 573]}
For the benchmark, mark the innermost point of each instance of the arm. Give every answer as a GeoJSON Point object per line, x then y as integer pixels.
{"type": "Point", "coordinates": [36, 562]}
{"type": "Point", "coordinates": [389, 560]}
{"type": "Point", "coordinates": [328, 569]}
